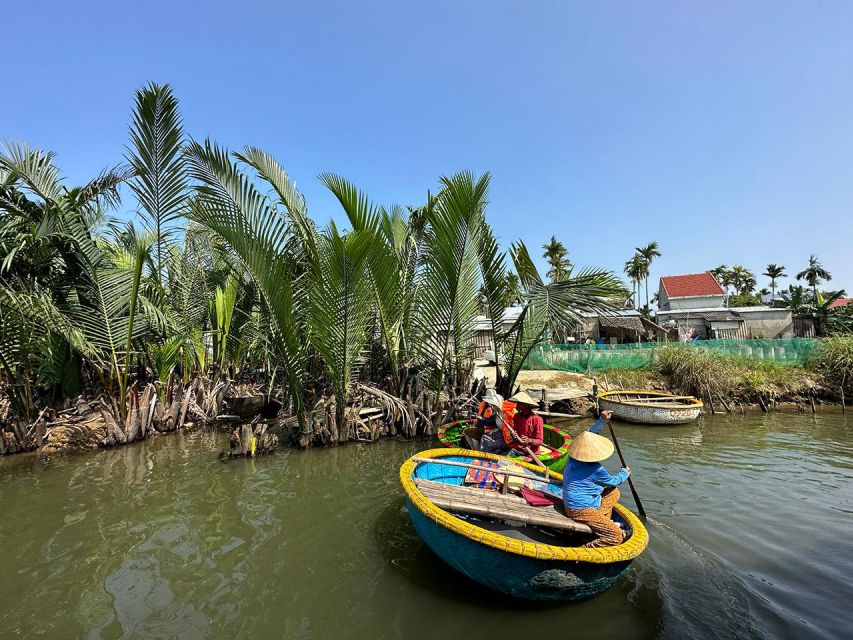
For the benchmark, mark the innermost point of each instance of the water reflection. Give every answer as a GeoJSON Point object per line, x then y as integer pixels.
{"type": "Point", "coordinates": [749, 515]}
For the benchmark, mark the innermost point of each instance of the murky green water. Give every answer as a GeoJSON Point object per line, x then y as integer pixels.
{"type": "Point", "coordinates": [751, 518]}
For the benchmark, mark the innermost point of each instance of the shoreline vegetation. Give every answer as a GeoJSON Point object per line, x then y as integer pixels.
{"type": "Point", "coordinates": [217, 300]}
{"type": "Point", "coordinates": [727, 384]}
{"type": "Point", "coordinates": [217, 287]}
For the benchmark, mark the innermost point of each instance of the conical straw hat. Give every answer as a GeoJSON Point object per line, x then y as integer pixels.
{"type": "Point", "coordinates": [590, 447]}
{"type": "Point", "coordinates": [524, 398]}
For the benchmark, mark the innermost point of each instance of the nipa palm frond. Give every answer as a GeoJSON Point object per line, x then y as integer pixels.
{"type": "Point", "coordinates": [340, 305]}
{"type": "Point", "coordinates": [230, 205]}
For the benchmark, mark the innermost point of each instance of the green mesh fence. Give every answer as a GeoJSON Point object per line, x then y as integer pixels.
{"type": "Point", "coordinates": [598, 357]}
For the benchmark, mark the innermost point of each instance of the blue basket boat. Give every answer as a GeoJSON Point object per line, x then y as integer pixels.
{"type": "Point", "coordinates": [533, 553]}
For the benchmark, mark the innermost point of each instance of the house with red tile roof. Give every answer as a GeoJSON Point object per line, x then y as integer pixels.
{"type": "Point", "coordinates": [695, 305]}
{"type": "Point", "coordinates": [691, 291]}
{"type": "Point", "coordinates": [841, 302]}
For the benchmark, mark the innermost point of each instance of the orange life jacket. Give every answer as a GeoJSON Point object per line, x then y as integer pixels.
{"type": "Point", "coordinates": [507, 412]}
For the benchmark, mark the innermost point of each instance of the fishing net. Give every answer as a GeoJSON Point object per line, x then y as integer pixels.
{"type": "Point", "coordinates": [580, 358]}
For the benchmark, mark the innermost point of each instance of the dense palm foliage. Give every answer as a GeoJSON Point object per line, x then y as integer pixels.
{"type": "Point", "coordinates": [221, 272]}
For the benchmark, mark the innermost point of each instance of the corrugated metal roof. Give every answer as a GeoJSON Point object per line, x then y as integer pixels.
{"type": "Point", "coordinates": [711, 316]}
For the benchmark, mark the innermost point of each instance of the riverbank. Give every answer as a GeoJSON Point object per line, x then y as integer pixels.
{"type": "Point", "coordinates": [724, 383]}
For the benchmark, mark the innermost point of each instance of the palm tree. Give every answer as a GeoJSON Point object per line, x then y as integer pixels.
{"type": "Point", "coordinates": [814, 274]}
{"type": "Point", "coordinates": [797, 300]}
{"type": "Point", "coordinates": [742, 279]}
{"type": "Point", "coordinates": [719, 272]}
{"type": "Point", "coordinates": [160, 180]}
{"type": "Point", "coordinates": [774, 272]}
{"type": "Point", "coordinates": [556, 255]}
{"type": "Point", "coordinates": [513, 289]}
{"type": "Point", "coordinates": [547, 307]}
{"type": "Point", "coordinates": [258, 230]}
{"type": "Point", "coordinates": [635, 268]}
{"type": "Point", "coordinates": [649, 253]}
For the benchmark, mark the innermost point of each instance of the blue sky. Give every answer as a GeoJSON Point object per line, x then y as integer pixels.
{"type": "Point", "coordinates": [722, 130]}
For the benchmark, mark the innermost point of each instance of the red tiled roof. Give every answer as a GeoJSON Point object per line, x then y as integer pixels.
{"type": "Point", "coordinates": [841, 302]}
{"type": "Point", "coordinates": [695, 284]}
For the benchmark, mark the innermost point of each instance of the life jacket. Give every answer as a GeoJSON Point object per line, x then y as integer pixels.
{"type": "Point", "coordinates": [485, 411]}
{"type": "Point", "coordinates": [508, 412]}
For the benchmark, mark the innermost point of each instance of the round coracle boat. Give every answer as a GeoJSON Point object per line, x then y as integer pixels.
{"type": "Point", "coordinates": [553, 453]}
{"type": "Point", "coordinates": [500, 540]}
{"type": "Point", "coordinates": [650, 407]}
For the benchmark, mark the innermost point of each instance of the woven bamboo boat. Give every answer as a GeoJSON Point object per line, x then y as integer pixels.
{"type": "Point", "coordinates": [498, 540]}
{"type": "Point", "coordinates": [554, 451]}
{"type": "Point", "coordinates": [650, 407]}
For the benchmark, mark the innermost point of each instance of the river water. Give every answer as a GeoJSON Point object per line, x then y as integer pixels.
{"type": "Point", "coordinates": [750, 524]}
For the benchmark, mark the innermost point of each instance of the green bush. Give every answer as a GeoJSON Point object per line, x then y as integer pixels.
{"type": "Point", "coordinates": [695, 371]}
{"type": "Point", "coordinates": [834, 361]}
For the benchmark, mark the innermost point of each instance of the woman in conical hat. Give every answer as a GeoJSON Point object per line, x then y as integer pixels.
{"type": "Point", "coordinates": [589, 490]}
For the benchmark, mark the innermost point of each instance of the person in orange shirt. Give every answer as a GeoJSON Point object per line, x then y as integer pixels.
{"type": "Point", "coordinates": [487, 413]}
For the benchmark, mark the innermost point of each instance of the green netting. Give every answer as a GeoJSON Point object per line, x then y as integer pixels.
{"type": "Point", "coordinates": [597, 357]}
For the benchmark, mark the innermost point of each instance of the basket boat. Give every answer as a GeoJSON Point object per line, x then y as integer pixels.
{"type": "Point", "coordinates": [553, 453]}
{"type": "Point", "coordinates": [498, 540]}
{"type": "Point", "coordinates": [650, 407]}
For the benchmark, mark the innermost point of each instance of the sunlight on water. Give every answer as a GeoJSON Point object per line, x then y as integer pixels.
{"type": "Point", "coordinates": [749, 518]}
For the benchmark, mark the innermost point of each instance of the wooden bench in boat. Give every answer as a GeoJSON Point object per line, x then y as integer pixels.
{"type": "Point", "coordinates": [492, 504]}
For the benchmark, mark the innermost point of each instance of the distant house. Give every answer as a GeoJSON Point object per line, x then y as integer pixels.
{"type": "Point", "coordinates": [692, 291]}
{"type": "Point", "coordinates": [614, 327]}
{"type": "Point", "coordinates": [695, 304]}
{"type": "Point", "coordinates": [618, 327]}
{"type": "Point", "coordinates": [841, 302]}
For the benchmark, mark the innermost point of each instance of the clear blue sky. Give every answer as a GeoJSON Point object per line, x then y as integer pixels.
{"type": "Point", "coordinates": [723, 130]}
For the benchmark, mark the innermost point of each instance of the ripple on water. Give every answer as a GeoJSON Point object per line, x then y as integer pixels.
{"type": "Point", "coordinates": [749, 521]}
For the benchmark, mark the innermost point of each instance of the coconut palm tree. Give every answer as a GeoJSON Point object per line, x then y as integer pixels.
{"type": "Point", "coordinates": [742, 279]}
{"type": "Point", "coordinates": [635, 268]}
{"type": "Point", "coordinates": [649, 252]}
{"type": "Point", "coordinates": [814, 274]}
{"type": "Point", "coordinates": [774, 272]}
{"type": "Point", "coordinates": [513, 289]}
{"type": "Point", "coordinates": [556, 255]}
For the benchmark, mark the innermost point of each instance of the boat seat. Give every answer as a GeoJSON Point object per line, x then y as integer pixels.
{"type": "Point", "coordinates": [496, 505]}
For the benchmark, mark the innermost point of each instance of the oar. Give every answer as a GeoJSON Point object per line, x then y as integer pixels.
{"type": "Point", "coordinates": [630, 482]}
{"type": "Point", "coordinates": [499, 419]}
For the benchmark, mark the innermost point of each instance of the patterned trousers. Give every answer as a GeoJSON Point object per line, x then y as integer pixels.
{"type": "Point", "coordinates": [600, 520]}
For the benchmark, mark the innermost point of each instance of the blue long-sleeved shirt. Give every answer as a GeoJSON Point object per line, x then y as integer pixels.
{"type": "Point", "coordinates": [597, 426]}
{"type": "Point", "coordinates": [583, 483]}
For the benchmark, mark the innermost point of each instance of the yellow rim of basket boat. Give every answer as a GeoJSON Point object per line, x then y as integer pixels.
{"type": "Point", "coordinates": [651, 395]}
{"type": "Point", "coordinates": [628, 550]}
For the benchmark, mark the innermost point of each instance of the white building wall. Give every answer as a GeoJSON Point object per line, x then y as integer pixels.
{"type": "Point", "coordinates": [694, 302]}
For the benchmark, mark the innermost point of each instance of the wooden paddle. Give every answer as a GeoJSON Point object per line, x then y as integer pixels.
{"type": "Point", "coordinates": [630, 482]}
{"type": "Point", "coordinates": [499, 419]}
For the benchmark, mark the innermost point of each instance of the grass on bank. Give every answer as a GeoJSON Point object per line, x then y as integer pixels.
{"type": "Point", "coordinates": [695, 371]}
